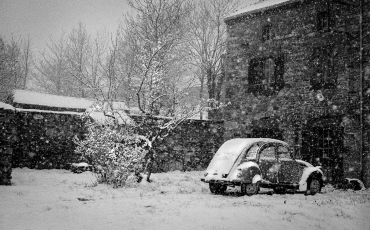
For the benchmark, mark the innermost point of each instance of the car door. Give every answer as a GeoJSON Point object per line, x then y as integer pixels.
{"type": "Point", "coordinates": [268, 163]}
{"type": "Point", "coordinates": [290, 171]}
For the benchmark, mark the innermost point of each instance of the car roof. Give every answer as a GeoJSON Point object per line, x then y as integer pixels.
{"type": "Point", "coordinates": [227, 154]}
{"type": "Point", "coordinates": [248, 141]}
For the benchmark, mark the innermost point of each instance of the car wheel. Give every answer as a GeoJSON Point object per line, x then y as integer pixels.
{"type": "Point", "coordinates": [314, 186]}
{"type": "Point", "coordinates": [250, 189]}
{"type": "Point", "coordinates": [217, 188]}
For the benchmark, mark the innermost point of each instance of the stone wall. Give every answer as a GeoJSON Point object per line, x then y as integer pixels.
{"type": "Point", "coordinates": [7, 140]}
{"type": "Point", "coordinates": [45, 139]}
{"type": "Point", "coordinates": [293, 111]}
{"type": "Point", "coordinates": [190, 146]}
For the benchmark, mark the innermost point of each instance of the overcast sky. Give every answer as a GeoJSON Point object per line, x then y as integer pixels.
{"type": "Point", "coordinates": [41, 19]}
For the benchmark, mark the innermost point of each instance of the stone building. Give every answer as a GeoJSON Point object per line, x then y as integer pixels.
{"type": "Point", "coordinates": [295, 72]}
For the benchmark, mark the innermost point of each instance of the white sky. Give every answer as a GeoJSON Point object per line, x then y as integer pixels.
{"type": "Point", "coordinates": [41, 19]}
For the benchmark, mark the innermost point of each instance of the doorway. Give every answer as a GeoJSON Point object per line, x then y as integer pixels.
{"type": "Point", "coordinates": [322, 145]}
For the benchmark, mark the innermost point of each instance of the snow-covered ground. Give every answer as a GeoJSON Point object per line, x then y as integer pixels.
{"type": "Point", "coordinates": [60, 199]}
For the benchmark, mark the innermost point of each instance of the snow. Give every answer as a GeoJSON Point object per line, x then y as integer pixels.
{"type": "Point", "coordinates": [82, 164]}
{"type": "Point", "coordinates": [6, 106]}
{"type": "Point", "coordinates": [59, 199]}
{"type": "Point", "coordinates": [36, 98]}
{"type": "Point", "coordinates": [47, 111]}
{"type": "Point", "coordinates": [360, 183]}
{"type": "Point", "coordinates": [265, 5]}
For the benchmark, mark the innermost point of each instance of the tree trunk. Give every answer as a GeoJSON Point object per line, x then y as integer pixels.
{"type": "Point", "coordinates": [201, 94]}
{"type": "Point", "coordinates": [149, 164]}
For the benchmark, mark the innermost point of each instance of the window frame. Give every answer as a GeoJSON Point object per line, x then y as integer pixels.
{"type": "Point", "coordinates": [257, 79]}
{"type": "Point", "coordinates": [267, 34]}
{"type": "Point", "coordinates": [323, 62]}
{"type": "Point", "coordinates": [323, 20]}
{"type": "Point", "coordinates": [267, 157]}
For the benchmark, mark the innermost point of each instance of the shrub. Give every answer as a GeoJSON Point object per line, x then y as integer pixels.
{"type": "Point", "coordinates": [116, 152]}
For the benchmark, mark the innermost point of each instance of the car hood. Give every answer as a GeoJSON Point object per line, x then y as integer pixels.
{"type": "Point", "coordinates": [304, 163]}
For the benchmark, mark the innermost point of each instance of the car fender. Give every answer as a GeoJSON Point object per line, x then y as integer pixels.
{"type": "Point", "coordinates": [257, 178]}
{"type": "Point", "coordinates": [249, 172]}
{"type": "Point", "coordinates": [307, 172]}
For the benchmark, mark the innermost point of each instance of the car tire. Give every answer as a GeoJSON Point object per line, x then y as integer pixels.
{"type": "Point", "coordinates": [217, 188]}
{"type": "Point", "coordinates": [250, 189]}
{"type": "Point", "coordinates": [313, 186]}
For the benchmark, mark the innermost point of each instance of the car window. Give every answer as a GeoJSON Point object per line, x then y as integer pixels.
{"type": "Point", "coordinates": [283, 153]}
{"type": "Point", "coordinates": [252, 152]}
{"type": "Point", "coordinates": [268, 153]}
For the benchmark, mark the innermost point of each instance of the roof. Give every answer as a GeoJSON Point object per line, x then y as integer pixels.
{"type": "Point", "coordinates": [43, 99]}
{"type": "Point", "coordinates": [260, 6]}
{"type": "Point", "coordinates": [94, 108]}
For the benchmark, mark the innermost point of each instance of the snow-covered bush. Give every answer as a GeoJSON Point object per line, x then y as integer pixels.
{"type": "Point", "coordinates": [116, 152]}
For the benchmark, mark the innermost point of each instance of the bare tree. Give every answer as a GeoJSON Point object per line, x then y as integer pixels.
{"type": "Point", "coordinates": [27, 60]}
{"type": "Point", "coordinates": [75, 65]}
{"type": "Point", "coordinates": [154, 39]}
{"type": "Point", "coordinates": [207, 43]}
{"type": "Point", "coordinates": [77, 55]}
{"type": "Point", "coordinates": [15, 65]}
{"type": "Point", "coordinates": [52, 69]}
{"type": "Point", "coordinates": [156, 65]}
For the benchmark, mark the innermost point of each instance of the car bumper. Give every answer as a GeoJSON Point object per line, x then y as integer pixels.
{"type": "Point", "coordinates": [222, 181]}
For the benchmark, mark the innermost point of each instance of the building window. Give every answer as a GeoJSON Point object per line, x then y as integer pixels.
{"type": "Point", "coordinates": [267, 33]}
{"type": "Point", "coordinates": [323, 76]}
{"type": "Point", "coordinates": [269, 69]}
{"type": "Point", "coordinates": [323, 20]}
{"type": "Point", "coordinates": [367, 72]}
{"type": "Point", "coordinates": [266, 75]}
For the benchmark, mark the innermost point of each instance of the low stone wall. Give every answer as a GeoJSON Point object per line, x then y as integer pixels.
{"type": "Point", "coordinates": [191, 146]}
{"type": "Point", "coordinates": [7, 140]}
{"type": "Point", "coordinates": [44, 140]}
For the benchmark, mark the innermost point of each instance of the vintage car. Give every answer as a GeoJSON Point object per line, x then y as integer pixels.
{"type": "Point", "coordinates": [260, 162]}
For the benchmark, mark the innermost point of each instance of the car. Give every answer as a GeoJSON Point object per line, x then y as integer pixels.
{"type": "Point", "coordinates": [254, 163]}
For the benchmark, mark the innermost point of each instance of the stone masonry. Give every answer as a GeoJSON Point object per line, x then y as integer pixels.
{"type": "Point", "coordinates": [293, 73]}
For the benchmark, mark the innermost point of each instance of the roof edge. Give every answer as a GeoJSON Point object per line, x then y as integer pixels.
{"type": "Point", "coordinates": [240, 13]}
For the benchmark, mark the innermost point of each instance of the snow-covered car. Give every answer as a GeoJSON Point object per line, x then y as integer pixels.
{"type": "Point", "coordinates": [260, 162]}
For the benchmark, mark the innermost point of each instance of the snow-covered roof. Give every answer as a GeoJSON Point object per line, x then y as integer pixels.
{"type": "Point", "coordinates": [92, 107]}
{"type": "Point", "coordinates": [260, 6]}
{"type": "Point", "coordinates": [6, 106]}
{"type": "Point", "coordinates": [43, 99]}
